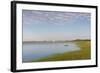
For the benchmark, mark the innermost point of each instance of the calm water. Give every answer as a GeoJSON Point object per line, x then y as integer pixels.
{"type": "Point", "coordinates": [33, 51]}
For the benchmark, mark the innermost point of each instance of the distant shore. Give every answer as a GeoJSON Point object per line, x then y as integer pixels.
{"type": "Point", "coordinates": [56, 41]}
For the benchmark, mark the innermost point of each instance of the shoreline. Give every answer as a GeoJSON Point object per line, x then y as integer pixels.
{"type": "Point", "coordinates": [83, 54]}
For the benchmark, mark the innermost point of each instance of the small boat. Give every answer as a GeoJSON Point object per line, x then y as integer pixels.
{"type": "Point", "coordinates": [65, 45]}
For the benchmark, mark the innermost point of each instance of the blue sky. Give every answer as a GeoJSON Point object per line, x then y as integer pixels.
{"type": "Point", "coordinates": [55, 25]}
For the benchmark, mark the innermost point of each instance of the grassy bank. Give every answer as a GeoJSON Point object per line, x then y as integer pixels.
{"type": "Point", "coordinates": [84, 53]}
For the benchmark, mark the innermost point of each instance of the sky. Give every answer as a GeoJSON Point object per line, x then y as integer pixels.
{"type": "Point", "coordinates": [55, 25]}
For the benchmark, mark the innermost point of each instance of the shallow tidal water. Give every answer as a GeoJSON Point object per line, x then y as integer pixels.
{"type": "Point", "coordinates": [34, 51]}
